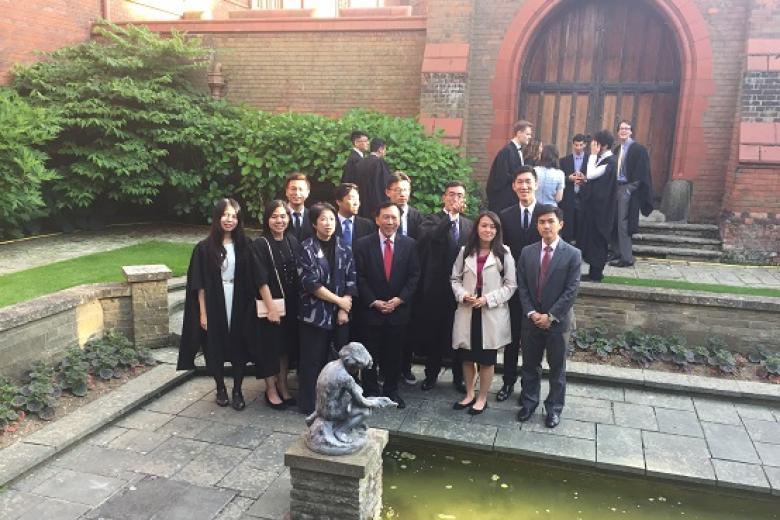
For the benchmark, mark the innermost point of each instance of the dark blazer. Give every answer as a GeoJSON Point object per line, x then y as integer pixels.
{"type": "Point", "coordinates": [350, 167]}
{"type": "Point", "coordinates": [372, 173]}
{"type": "Point", "coordinates": [413, 220]}
{"type": "Point", "coordinates": [362, 227]}
{"type": "Point", "coordinates": [372, 284]}
{"type": "Point", "coordinates": [637, 168]}
{"type": "Point", "coordinates": [315, 272]}
{"type": "Point", "coordinates": [514, 235]}
{"type": "Point", "coordinates": [437, 254]}
{"type": "Point", "coordinates": [499, 184]}
{"type": "Point", "coordinates": [560, 288]}
{"type": "Point", "coordinates": [306, 230]}
{"type": "Point", "coordinates": [568, 204]}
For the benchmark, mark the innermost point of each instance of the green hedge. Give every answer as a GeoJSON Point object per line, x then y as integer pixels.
{"type": "Point", "coordinates": [137, 128]}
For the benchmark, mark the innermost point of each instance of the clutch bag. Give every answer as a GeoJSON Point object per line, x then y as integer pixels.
{"type": "Point", "coordinates": [262, 310]}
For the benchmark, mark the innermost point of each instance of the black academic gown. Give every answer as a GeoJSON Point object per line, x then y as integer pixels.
{"type": "Point", "coordinates": [597, 197]}
{"type": "Point", "coordinates": [502, 171]}
{"type": "Point", "coordinates": [350, 167]}
{"type": "Point", "coordinates": [373, 173]}
{"type": "Point", "coordinates": [637, 167]}
{"type": "Point", "coordinates": [220, 343]}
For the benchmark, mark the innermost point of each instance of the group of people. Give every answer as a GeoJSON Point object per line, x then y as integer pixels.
{"type": "Point", "coordinates": [372, 268]}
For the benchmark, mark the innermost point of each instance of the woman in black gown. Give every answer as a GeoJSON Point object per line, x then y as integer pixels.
{"type": "Point", "coordinates": [218, 294]}
{"type": "Point", "coordinates": [276, 276]}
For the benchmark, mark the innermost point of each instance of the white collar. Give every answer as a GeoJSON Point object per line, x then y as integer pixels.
{"type": "Point", "coordinates": [382, 238]}
{"type": "Point", "coordinates": [358, 151]}
{"type": "Point", "coordinates": [554, 245]}
{"type": "Point", "coordinates": [529, 208]}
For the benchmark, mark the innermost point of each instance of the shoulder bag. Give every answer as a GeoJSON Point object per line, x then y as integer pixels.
{"type": "Point", "coordinates": [262, 309]}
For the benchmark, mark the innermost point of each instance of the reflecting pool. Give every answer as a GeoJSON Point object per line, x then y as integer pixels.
{"type": "Point", "coordinates": [424, 481]}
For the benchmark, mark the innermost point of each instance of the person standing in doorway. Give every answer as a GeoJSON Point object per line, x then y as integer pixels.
{"type": "Point", "coordinates": [505, 164]}
{"type": "Point", "coordinates": [573, 167]}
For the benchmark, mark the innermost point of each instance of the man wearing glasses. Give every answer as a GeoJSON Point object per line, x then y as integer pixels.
{"type": "Point", "coordinates": [359, 148]}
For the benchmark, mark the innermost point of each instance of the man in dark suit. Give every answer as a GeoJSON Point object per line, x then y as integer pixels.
{"type": "Point", "coordinates": [519, 224]}
{"type": "Point", "coordinates": [442, 236]}
{"type": "Point", "coordinates": [574, 166]}
{"type": "Point", "coordinates": [548, 278]}
{"type": "Point", "coordinates": [349, 226]}
{"type": "Point", "coordinates": [296, 191]}
{"type": "Point", "coordinates": [505, 164]}
{"type": "Point", "coordinates": [359, 148]}
{"type": "Point", "coordinates": [388, 271]}
{"type": "Point", "coordinates": [634, 192]}
{"type": "Point", "coordinates": [373, 174]}
{"type": "Point", "coordinates": [398, 190]}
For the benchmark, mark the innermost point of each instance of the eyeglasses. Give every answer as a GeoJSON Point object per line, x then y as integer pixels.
{"type": "Point", "coordinates": [455, 195]}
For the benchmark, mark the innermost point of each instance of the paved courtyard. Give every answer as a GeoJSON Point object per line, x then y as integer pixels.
{"type": "Point", "coordinates": [182, 457]}
{"type": "Point", "coordinates": [19, 255]}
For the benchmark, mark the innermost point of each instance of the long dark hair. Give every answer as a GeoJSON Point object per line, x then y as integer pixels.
{"type": "Point", "coordinates": [269, 210]}
{"type": "Point", "coordinates": [216, 250]}
{"type": "Point", "coordinates": [496, 245]}
{"type": "Point", "coordinates": [549, 158]}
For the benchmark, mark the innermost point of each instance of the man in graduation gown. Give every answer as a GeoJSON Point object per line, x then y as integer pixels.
{"type": "Point", "coordinates": [634, 193]}
{"type": "Point", "coordinates": [359, 148]}
{"type": "Point", "coordinates": [373, 173]}
{"type": "Point", "coordinates": [505, 164]}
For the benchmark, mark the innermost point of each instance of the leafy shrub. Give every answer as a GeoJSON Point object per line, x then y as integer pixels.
{"type": "Point", "coordinates": [724, 360]}
{"type": "Point", "coordinates": [73, 372]}
{"type": "Point", "coordinates": [642, 348]}
{"type": "Point", "coordinates": [585, 338]}
{"type": "Point", "coordinates": [7, 413]}
{"type": "Point", "coordinates": [110, 356]}
{"type": "Point", "coordinates": [39, 396]}
{"type": "Point", "coordinates": [772, 364]}
{"type": "Point", "coordinates": [23, 131]}
{"type": "Point", "coordinates": [679, 352]}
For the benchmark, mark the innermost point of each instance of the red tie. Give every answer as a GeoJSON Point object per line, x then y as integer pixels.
{"type": "Point", "coordinates": [543, 271]}
{"type": "Point", "coordinates": [388, 258]}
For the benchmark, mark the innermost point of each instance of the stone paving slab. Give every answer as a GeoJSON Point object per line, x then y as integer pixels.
{"type": "Point", "coordinates": [553, 447]}
{"type": "Point", "coordinates": [619, 448]}
{"type": "Point", "coordinates": [675, 456]}
{"type": "Point", "coordinates": [79, 487]}
{"type": "Point", "coordinates": [773, 475]}
{"type": "Point", "coordinates": [730, 442]}
{"type": "Point", "coordinates": [740, 475]}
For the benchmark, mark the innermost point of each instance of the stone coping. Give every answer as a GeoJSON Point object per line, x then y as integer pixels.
{"type": "Point", "coordinates": [49, 304]}
{"type": "Point", "coordinates": [22, 456]}
{"type": "Point", "coordinates": [146, 273]}
{"type": "Point", "coordinates": [354, 465]}
{"type": "Point", "coordinates": [682, 297]}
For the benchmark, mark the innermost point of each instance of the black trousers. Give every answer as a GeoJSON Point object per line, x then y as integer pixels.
{"type": "Point", "coordinates": [536, 343]}
{"type": "Point", "coordinates": [315, 348]}
{"type": "Point", "coordinates": [439, 346]}
{"type": "Point", "coordinates": [385, 343]}
{"type": "Point", "coordinates": [512, 351]}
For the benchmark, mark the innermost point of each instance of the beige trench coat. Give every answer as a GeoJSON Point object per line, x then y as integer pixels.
{"type": "Point", "coordinates": [496, 330]}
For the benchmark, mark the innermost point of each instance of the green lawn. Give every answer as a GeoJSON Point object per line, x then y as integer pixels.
{"type": "Point", "coordinates": [98, 267]}
{"type": "Point", "coordinates": [689, 286]}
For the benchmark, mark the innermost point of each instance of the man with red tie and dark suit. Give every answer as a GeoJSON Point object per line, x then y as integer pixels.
{"type": "Point", "coordinates": [519, 224]}
{"type": "Point", "coordinates": [388, 271]}
{"type": "Point", "coordinates": [548, 278]}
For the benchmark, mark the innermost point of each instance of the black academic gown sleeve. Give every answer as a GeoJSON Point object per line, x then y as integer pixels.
{"type": "Point", "coordinates": [638, 170]}
{"type": "Point", "coordinates": [598, 202]}
{"type": "Point", "coordinates": [499, 184]}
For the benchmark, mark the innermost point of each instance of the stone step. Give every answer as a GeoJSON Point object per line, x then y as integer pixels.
{"type": "Point", "coordinates": [677, 253]}
{"type": "Point", "coordinates": [176, 300]}
{"type": "Point", "coordinates": [647, 239]}
{"type": "Point", "coordinates": [679, 229]}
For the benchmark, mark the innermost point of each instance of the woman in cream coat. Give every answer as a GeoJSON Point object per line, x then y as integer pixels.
{"type": "Point", "coordinates": [483, 279]}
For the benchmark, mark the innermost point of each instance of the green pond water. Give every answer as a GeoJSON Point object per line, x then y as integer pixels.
{"type": "Point", "coordinates": [424, 481]}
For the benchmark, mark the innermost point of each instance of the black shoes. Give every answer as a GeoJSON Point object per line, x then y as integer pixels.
{"type": "Point", "coordinates": [397, 400]}
{"type": "Point", "coordinates": [505, 392]}
{"type": "Point", "coordinates": [290, 402]}
{"type": "Point", "coordinates": [462, 406]}
{"type": "Point", "coordinates": [275, 406]}
{"type": "Point", "coordinates": [408, 377]}
{"type": "Point", "coordinates": [222, 397]}
{"type": "Point", "coordinates": [552, 419]}
{"type": "Point", "coordinates": [474, 411]}
{"type": "Point", "coordinates": [620, 263]}
{"type": "Point", "coordinates": [238, 400]}
{"type": "Point", "coordinates": [524, 414]}
{"type": "Point", "coordinates": [428, 383]}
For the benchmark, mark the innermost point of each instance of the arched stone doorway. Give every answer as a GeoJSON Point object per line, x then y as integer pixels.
{"type": "Point", "coordinates": [594, 62]}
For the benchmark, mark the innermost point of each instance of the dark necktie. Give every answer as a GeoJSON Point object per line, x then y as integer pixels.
{"type": "Point", "coordinates": [454, 231]}
{"type": "Point", "coordinates": [526, 218]}
{"type": "Point", "coordinates": [347, 232]}
{"type": "Point", "coordinates": [546, 258]}
{"type": "Point", "coordinates": [401, 229]}
{"type": "Point", "coordinates": [297, 222]}
{"type": "Point", "coordinates": [388, 257]}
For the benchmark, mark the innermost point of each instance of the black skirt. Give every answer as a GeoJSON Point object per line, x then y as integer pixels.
{"type": "Point", "coordinates": [477, 354]}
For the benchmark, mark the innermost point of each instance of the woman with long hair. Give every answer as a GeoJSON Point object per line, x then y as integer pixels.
{"type": "Point", "coordinates": [550, 179]}
{"type": "Point", "coordinates": [532, 151]}
{"type": "Point", "coordinates": [483, 279]}
{"type": "Point", "coordinates": [275, 277]}
{"type": "Point", "coordinates": [218, 294]}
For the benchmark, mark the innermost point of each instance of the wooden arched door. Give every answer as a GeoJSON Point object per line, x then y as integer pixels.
{"type": "Point", "coordinates": [595, 62]}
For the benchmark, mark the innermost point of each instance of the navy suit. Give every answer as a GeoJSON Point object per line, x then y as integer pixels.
{"type": "Point", "coordinates": [570, 204]}
{"type": "Point", "coordinates": [559, 291]}
{"type": "Point", "coordinates": [305, 230]}
{"type": "Point", "coordinates": [361, 227]}
{"type": "Point", "coordinates": [385, 333]}
{"type": "Point", "coordinates": [516, 238]}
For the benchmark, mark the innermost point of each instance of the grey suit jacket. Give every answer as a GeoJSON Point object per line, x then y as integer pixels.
{"type": "Point", "coordinates": [560, 289]}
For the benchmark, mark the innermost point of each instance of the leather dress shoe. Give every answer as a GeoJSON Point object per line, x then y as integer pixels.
{"type": "Point", "coordinates": [238, 400]}
{"type": "Point", "coordinates": [397, 400]}
{"type": "Point", "coordinates": [620, 263]}
{"type": "Point", "coordinates": [552, 419]}
{"type": "Point", "coordinates": [505, 392]}
{"type": "Point", "coordinates": [462, 406]}
{"type": "Point", "coordinates": [222, 397]}
{"type": "Point", "coordinates": [428, 383]}
{"type": "Point", "coordinates": [524, 414]}
{"type": "Point", "coordinates": [460, 386]}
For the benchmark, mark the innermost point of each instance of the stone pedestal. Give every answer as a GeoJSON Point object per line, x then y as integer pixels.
{"type": "Point", "coordinates": [347, 487]}
{"type": "Point", "coordinates": [149, 291]}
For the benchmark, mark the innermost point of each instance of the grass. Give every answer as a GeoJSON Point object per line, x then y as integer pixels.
{"type": "Point", "coordinates": [690, 286]}
{"type": "Point", "coordinates": [94, 268]}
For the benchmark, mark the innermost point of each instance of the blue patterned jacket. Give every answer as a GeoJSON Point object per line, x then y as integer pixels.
{"type": "Point", "coordinates": [314, 272]}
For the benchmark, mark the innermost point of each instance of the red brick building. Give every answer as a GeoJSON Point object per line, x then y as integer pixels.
{"type": "Point", "coordinates": [700, 79]}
